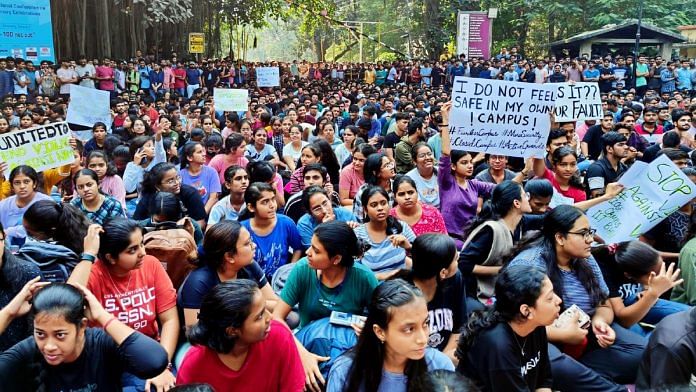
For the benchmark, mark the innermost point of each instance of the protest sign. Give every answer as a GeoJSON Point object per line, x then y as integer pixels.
{"type": "Point", "coordinates": [41, 147]}
{"type": "Point", "coordinates": [231, 99]}
{"type": "Point", "coordinates": [501, 117]}
{"type": "Point", "coordinates": [651, 193]}
{"type": "Point", "coordinates": [267, 77]}
{"type": "Point", "coordinates": [578, 102]}
{"type": "Point", "coordinates": [88, 106]}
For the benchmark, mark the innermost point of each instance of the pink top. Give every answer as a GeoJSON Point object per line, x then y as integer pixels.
{"type": "Point", "coordinates": [351, 180]}
{"type": "Point", "coordinates": [574, 193]}
{"type": "Point", "coordinates": [221, 162]}
{"type": "Point", "coordinates": [431, 220]}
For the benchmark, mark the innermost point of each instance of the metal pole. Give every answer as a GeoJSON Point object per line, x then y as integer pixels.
{"type": "Point", "coordinates": [361, 37]}
{"type": "Point", "coordinates": [637, 48]}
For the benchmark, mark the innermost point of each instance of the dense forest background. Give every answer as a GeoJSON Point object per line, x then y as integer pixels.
{"type": "Point", "coordinates": [312, 29]}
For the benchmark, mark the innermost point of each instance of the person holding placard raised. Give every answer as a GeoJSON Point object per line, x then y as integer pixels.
{"type": "Point", "coordinates": [458, 194]}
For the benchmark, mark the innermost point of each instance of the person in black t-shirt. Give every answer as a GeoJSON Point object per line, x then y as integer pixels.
{"type": "Point", "coordinates": [393, 138]}
{"type": "Point", "coordinates": [436, 274]}
{"type": "Point", "coordinates": [65, 355]}
{"type": "Point", "coordinates": [165, 177]}
{"type": "Point", "coordinates": [227, 254]}
{"type": "Point", "coordinates": [504, 348]}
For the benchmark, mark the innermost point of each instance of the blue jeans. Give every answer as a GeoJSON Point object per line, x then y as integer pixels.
{"type": "Point", "coordinates": [660, 310]}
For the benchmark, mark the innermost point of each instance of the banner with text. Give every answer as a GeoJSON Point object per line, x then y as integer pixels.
{"type": "Point", "coordinates": [578, 102]}
{"type": "Point", "coordinates": [42, 147]}
{"type": "Point", "coordinates": [652, 192]}
{"type": "Point", "coordinates": [267, 77]}
{"type": "Point", "coordinates": [26, 30]}
{"type": "Point", "coordinates": [501, 117]}
{"type": "Point", "coordinates": [88, 106]}
{"type": "Point", "coordinates": [231, 99]}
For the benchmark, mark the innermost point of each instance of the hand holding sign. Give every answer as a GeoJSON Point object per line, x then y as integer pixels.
{"type": "Point", "coordinates": [500, 117]}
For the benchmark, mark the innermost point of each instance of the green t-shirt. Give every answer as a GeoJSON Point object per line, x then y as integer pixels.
{"type": "Point", "coordinates": [316, 301]}
{"type": "Point", "coordinates": [641, 80]}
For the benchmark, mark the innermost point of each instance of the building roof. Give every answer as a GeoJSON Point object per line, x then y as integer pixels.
{"type": "Point", "coordinates": [623, 30]}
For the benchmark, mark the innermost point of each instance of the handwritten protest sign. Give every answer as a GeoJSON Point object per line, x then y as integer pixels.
{"type": "Point", "coordinates": [501, 117]}
{"type": "Point", "coordinates": [267, 77]}
{"type": "Point", "coordinates": [579, 101]}
{"type": "Point", "coordinates": [42, 147]}
{"type": "Point", "coordinates": [88, 106]}
{"type": "Point", "coordinates": [231, 99]}
{"type": "Point", "coordinates": [652, 192]}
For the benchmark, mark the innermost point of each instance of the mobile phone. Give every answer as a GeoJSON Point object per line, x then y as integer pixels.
{"type": "Point", "coordinates": [346, 319]}
{"type": "Point", "coordinates": [583, 320]}
{"type": "Point", "coordinates": [140, 150]}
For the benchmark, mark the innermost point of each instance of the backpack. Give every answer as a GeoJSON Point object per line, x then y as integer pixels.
{"type": "Point", "coordinates": [55, 262]}
{"type": "Point", "coordinates": [173, 245]}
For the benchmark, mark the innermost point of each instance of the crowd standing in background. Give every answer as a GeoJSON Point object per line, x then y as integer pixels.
{"type": "Point", "coordinates": [190, 248]}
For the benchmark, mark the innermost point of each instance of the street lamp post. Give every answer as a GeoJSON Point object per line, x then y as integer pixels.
{"type": "Point", "coordinates": [637, 48]}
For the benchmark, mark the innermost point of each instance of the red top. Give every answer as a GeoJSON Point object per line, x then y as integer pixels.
{"type": "Point", "coordinates": [577, 194]}
{"type": "Point", "coordinates": [272, 364]}
{"type": "Point", "coordinates": [137, 298]}
{"type": "Point", "coordinates": [179, 83]}
{"type": "Point", "coordinates": [431, 220]}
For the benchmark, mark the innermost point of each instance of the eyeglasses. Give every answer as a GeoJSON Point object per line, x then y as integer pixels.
{"type": "Point", "coordinates": [324, 206]}
{"type": "Point", "coordinates": [586, 234]}
{"type": "Point", "coordinates": [425, 155]}
{"type": "Point", "coordinates": [172, 181]}
{"type": "Point", "coordinates": [389, 165]}
{"type": "Point", "coordinates": [207, 123]}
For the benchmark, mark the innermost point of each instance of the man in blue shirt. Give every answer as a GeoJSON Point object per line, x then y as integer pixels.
{"type": "Point", "coordinates": [684, 77]}
{"type": "Point", "coordinates": [6, 79]}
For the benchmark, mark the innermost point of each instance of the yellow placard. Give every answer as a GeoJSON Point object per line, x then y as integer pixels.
{"type": "Point", "coordinates": [196, 43]}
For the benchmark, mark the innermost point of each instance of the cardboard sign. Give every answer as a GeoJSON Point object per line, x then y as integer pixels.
{"type": "Point", "coordinates": [267, 77]}
{"type": "Point", "coordinates": [578, 102]}
{"type": "Point", "coordinates": [501, 117]}
{"type": "Point", "coordinates": [231, 99]}
{"type": "Point", "coordinates": [88, 106]}
{"type": "Point", "coordinates": [652, 192]}
{"type": "Point", "coordinates": [43, 147]}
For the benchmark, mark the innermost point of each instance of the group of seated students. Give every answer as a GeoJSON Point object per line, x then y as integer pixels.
{"type": "Point", "coordinates": [480, 272]}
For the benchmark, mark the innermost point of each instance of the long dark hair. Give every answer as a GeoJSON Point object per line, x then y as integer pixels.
{"type": "Point", "coordinates": [110, 168]}
{"type": "Point", "coordinates": [431, 253]}
{"type": "Point", "coordinates": [372, 167]}
{"type": "Point", "coordinates": [499, 205]}
{"type": "Point", "coordinates": [227, 305]}
{"type": "Point", "coordinates": [153, 177]}
{"type": "Point", "coordinates": [252, 194]}
{"type": "Point", "coordinates": [558, 156]}
{"type": "Point", "coordinates": [219, 239]}
{"type": "Point", "coordinates": [63, 223]}
{"type": "Point", "coordinates": [634, 258]}
{"type": "Point", "coordinates": [116, 237]}
{"type": "Point", "coordinates": [339, 239]}
{"type": "Point", "coordinates": [368, 355]}
{"type": "Point", "coordinates": [393, 224]}
{"type": "Point", "coordinates": [560, 220]}
{"type": "Point", "coordinates": [516, 285]}
{"type": "Point", "coordinates": [187, 151]}
{"type": "Point", "coordinates": [328, 159]}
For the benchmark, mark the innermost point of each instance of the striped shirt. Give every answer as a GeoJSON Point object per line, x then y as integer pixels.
{"type": "Point", "coordinates": [573, 290]}
{"type": "Point", "coordinates": [383, 256]}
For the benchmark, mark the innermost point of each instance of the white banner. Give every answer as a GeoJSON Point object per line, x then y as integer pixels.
{"type": "Point", "coordinates": [267, 77]}
{"type": "Point", "coordinates": [231, 99]}
{"type": "Point", "coordinates": [501, 117]}
{"type": "Point", "coordinates": [578, 102]}
{"type": "Point", "coordinates": [43, 147]}
{"type": "Point", "coordinates": [652, 192]}
{"type": "Point", "coordinates": [88, 106]}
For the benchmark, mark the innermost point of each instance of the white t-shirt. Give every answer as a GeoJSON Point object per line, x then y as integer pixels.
{"type": "Point", "coordinates": [87, 70]}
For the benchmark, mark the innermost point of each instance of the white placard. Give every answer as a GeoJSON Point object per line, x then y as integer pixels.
{"type": "Point", "coordinates": [88, 106]}
{"type": "Point", "coordinates": [267, 77]}
{"type": "Point", "coordinates": [652, 192]}
{"type": "Point", "coordinates": [231, 99]}
{"type": "Point", "coordinates": [43, 147]}
{"type": "Point", "coordinates": [501, 117]}
{"type": "Point", "coordinates": [578, 102]}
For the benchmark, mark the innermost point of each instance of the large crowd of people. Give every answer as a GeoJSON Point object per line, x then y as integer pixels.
{"type": "Point", "coordinates": [329, 237]}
